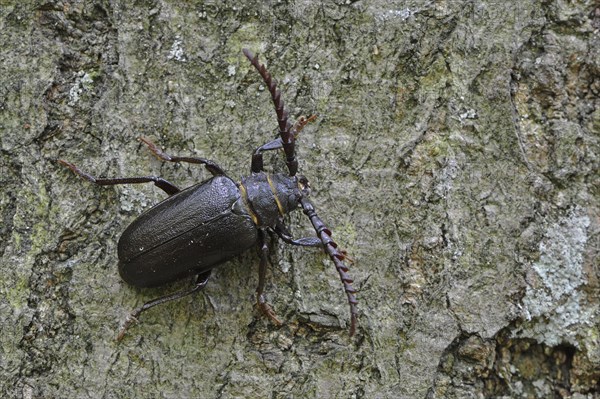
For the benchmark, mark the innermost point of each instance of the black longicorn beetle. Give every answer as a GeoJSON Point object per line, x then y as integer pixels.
{"type": "Point", "coordinates": [198, 228]}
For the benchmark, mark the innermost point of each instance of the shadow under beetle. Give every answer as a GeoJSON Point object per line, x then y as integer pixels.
{"type": "Point", "coordinates": [202, 226]}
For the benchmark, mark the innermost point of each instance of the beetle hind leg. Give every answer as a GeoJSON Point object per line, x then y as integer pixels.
{"type": "Point", "coordinates": [201, 282]}
{"type": "Point", "coordinates": [159, 182]}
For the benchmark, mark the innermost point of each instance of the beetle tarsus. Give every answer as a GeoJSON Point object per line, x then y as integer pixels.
{"type": "Point", "coordinates": [300, 123]}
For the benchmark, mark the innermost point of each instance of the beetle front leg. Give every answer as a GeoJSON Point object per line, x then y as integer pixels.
{"type": "Point", "coordinates": [257, 155]}
{"type": "Point", "coordinates": [262, 273]}
{"type": "Point", "coordinates": [159, 182]}
{"type": "Point", "coordinates": [201, 282]}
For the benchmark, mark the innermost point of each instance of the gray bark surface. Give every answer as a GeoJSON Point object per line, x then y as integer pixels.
{"type": "Point", "coordinates": [455, 157]}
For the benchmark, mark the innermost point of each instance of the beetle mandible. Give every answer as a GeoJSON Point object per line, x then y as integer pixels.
{"type": "Point", "coordinates": [190, 232]}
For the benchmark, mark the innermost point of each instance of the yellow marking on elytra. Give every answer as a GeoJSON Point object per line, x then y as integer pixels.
{"type": "Point", "coordinates": [247, 204]}
{"type": "Point", "coordinates": [274, 191]}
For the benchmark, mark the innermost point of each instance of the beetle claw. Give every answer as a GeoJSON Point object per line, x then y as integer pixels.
{"type": "Point", "coordinates": [131, 319]}
{"type": "Point", "coordinates": [266, 309]}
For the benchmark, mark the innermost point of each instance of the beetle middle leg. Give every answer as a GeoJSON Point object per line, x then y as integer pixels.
{"type": "Point", "coordinates": [262, 273]}
{"type": "Point", "coordinates": [285, 235]}
{"type": "Point", "coordinates": [201, 282]}
{"type": "Point", "coordinates": [159, 182]}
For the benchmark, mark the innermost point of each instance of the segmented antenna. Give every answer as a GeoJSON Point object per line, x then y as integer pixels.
{"type": "Point", "coordinates": [337, 256]}
{"type": "Point", "coordinates": [285, 125]}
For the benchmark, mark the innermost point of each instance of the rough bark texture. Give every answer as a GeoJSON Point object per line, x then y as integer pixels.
{"type": "Point", "coordinates": [455, 157]}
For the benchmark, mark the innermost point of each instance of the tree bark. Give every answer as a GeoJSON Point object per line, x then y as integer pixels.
{"type": "Point", "coordinates": [455, 157]}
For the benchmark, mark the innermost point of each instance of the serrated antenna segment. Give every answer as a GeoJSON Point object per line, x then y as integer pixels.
{"type": "Point", "coordinates": [278, 103]}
